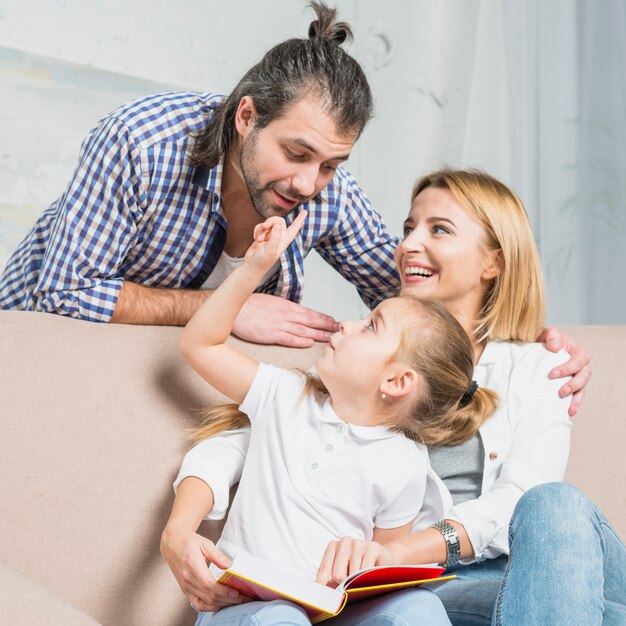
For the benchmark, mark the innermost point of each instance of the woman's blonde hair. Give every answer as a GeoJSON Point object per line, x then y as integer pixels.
{"type": "Point", "coordinates": [514, 306]}
{"type": "Point", "coordinates": [434, 344]}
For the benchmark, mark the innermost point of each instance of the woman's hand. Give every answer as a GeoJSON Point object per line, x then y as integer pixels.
{"type": "Point", "coordinates": [187, 554]}
{"type": "Point", "coordinates": [271, 239]}
{"type": "Point", "coordinates": [347, 556]}
{"type": "Point", "coordinates": [578, 366]}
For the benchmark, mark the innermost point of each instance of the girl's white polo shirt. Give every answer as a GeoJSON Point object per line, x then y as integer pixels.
{"type": "Point", "coordinates": [311, 478]}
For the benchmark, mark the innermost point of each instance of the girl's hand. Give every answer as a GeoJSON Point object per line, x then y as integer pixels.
{"type": "Point", "coordinates": [187, 553]}
{"type": "Point", "coordinates": [347, 556]}
{"type": "Point", "coordinates": [271, 239]}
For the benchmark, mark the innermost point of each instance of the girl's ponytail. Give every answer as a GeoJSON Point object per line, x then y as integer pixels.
{"type": "Point", "coordinates": [451, 407]}
{"type": "Point", "coordinates": [218, 419]}
{"type": "Point", "coordinates": [229, 417]}
{"type": "Point", "coordinates": [463, 422]}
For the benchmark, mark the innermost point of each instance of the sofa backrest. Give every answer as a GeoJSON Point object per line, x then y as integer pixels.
{"type": "Point", "coordinates": [94, 426]}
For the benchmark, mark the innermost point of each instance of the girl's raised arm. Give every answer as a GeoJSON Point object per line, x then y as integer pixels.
{"type": "Point", "coordinates": [202, 342]}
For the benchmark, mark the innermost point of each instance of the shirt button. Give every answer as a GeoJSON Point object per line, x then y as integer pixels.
{"type": "Point", "coordinates": [314, 466]}
{"type": "Point", "coordinates": [328, 447]}
{"type": "Point", "coordinates": [340, 429]}
{"type": "Point", "coordinates": [493, 455]}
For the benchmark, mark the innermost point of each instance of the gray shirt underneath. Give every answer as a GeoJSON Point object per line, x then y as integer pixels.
{"type": "Point", "coordinates": [460, 467]}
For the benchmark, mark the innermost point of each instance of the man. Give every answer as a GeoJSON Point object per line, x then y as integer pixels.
{"type": "Point", "coordinates": [167, 192]}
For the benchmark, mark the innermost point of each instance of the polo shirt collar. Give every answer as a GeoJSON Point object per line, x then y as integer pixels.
{"type": "Point", "coordinates": [329, 416]}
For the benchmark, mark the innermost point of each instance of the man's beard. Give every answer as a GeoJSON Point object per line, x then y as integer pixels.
{"type": "Point", "coordinates": [258, 193]}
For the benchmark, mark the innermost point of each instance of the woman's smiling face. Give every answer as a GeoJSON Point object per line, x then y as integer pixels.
{"type": "Point", "coordinates": [443, 255]}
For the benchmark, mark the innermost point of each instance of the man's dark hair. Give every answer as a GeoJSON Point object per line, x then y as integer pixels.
{"type": "Point", "coordinates": [292, 69]}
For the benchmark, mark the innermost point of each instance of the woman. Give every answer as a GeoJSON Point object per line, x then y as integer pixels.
{"type": "Point", "coordinates": [465, 271]}
{"type": "Point", "coordinates": [468, 244]}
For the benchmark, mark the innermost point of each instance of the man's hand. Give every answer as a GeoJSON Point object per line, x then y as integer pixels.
{"type": "Point", "coordinates": [271, 319]}
{"type": "Point", "coordinates": [187, 554]}
{"type": "Point", "coordinates": [578, 366]}
{"type": "Point", "coordinates": [348, 556]}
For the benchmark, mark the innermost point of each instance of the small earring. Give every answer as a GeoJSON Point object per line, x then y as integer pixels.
{"type": "Point", "coordinates": [383, 396]}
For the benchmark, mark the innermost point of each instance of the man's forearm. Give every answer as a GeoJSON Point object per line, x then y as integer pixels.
{"type": "Point", "coordinates": [157, 306]}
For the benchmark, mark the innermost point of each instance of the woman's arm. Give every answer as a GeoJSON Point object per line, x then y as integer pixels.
{"type": "Point", "coordinates": [188, 553]}
{"type": "Point", "coordinates": [202, 486]}
{"type": "Point", "coordinates": [425, 546]}
{"type": "Point", "coordinates": [219, 462]}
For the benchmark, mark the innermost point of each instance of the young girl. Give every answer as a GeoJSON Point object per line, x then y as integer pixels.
{"type": "Point", "coordinates": [332, 457]}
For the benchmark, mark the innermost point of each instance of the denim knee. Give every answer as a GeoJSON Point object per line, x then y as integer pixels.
{"type": "Point", "coordinates": [403, 605]}
{"type": "Point", "coordinates": [281, 612]}
{"type": "Point", "coordinates": [409, 607]}
{"type": "Point", "coordinates": [555, 507]}
{"type": "Point", "coordinates": [256, 613]}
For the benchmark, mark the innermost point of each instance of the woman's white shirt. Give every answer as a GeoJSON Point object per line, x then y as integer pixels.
{"type": "Point", "coordinates": [526, 443]}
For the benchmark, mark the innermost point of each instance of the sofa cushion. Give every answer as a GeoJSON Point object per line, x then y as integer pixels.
{"type": "Point", "coordinates": [24, 603]}
{"type": "Point", "coordinates": [95, 423]}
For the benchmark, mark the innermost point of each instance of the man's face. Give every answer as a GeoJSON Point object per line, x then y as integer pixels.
{"type": "Point", "coordinates": [293, 158]}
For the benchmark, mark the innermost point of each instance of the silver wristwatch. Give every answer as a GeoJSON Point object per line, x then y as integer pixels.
{"type": "Point", "coordinates": [453, 542]}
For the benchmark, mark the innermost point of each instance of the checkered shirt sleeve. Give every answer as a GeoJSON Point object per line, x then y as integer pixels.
{"type": "Point", "coordinates": [94, 230]}
{"type": "Point", "coordinates": [359, 246]}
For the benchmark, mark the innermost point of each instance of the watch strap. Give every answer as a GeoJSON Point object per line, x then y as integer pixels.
{"type": "Point", "coordinates": [453, 543]}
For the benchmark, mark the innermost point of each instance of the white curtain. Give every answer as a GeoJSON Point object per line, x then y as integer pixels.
{"type": "Point", "coordinates": [547, 114]}
{"type": "Point", "coordinates": [601, 190]}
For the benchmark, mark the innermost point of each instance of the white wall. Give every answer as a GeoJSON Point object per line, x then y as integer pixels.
{"type": "Point", "coordinates": [490, 83]}
{"type": "Point", "coordinates": [51, 100]}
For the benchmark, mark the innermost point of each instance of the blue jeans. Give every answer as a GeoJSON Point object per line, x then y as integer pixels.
{"type": "Point", "coordinates": [567, 567]}
{"type": "Point", "coordinates": [393, 609]}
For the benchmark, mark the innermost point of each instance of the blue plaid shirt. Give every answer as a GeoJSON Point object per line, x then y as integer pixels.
{"type": "Point", "coordinates": [136, 210]}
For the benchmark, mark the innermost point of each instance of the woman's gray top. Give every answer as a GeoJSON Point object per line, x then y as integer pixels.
{"type": "Point", "coordinates": [460, 467]}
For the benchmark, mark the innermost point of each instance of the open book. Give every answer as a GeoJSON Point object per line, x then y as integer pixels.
{"type": "Point", "coordinates": [264, 581]}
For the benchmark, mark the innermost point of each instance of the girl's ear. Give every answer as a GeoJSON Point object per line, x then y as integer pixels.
{"type": "Point", "coordinates": [400, 381]}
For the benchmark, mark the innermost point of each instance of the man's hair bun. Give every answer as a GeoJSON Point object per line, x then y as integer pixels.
{"type": "Point", "coordinates": [325, 26]}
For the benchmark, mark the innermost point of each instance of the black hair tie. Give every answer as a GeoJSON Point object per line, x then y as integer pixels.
{"type": "Point", "coordinates": [468, 394]}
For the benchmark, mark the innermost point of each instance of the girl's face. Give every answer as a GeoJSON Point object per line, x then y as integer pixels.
{"type": "Point", "coordinates": [357, 357]}
{"type": "Point", "coordinates": [443, 255]}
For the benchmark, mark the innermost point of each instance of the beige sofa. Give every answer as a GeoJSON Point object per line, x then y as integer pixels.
{"type": "Point", "coordinates": [94, 421]}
